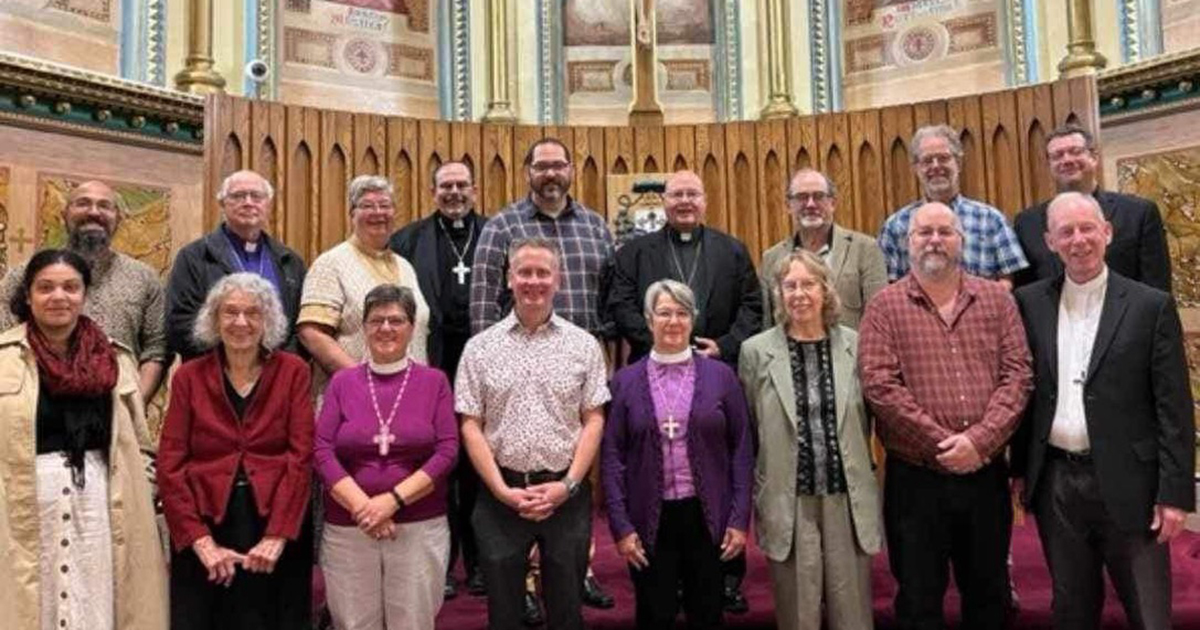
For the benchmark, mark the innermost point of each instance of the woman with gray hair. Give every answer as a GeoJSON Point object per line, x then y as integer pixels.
{"type": "Point", "coordinates": [386, 441]}
{"type": "Point", "coordinates": [330, 320]}
{"type": "Point", "coordinates": [816, 499]}
{"type": "Point", "coordinates": [233, 468]}
{"type": "Point", "coordinates": [677, 460]}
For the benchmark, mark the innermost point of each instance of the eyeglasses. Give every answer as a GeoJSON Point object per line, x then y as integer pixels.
{"type": "Point", "coordinates": [87, 203]}
{"type": "Point", "coordinates": [231, 314]}
{"type": "Point", "coordinates": [376, 323]}
{"type": "Point", "coordinates": [940, 159]}
{"type": "Point", "coordinates": [542, 167]}
{"type": "Point", "coordinates": [926, 233]}
{"type": "Point", "coordinates": [383, 206]}
{"type": "Point", "coordinates": [802, 198]}
{"type": "Point", "coordinates": [1069, 152]}
{"type": "Point", "coordinates": [668, 315]}
{"type": "Point", "coordinates": [792, 286]}
{"type": "Point", "coordinates": [684, 195]}
{"type": "Point", "coordinates": [447, 186]}
{"type": "Point", "coordinates": [247, 195]}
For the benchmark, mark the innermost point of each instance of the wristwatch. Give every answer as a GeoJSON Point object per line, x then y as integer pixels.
{"type": "Point", "coordinates": [572, 486]}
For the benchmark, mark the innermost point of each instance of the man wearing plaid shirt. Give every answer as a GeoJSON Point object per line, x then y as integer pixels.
{"type": "Point", "coordinates": [549, 212]}
{"type": "Point", "coordinates": [990, 247]}
{"type": "Point", "coordinates": [946, 369]}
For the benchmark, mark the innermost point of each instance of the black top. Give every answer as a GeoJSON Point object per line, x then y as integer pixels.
{"type": "Point", "coordinates": [239, 402]}
{"type": "Point", "coordinates": [73, 425]}
{"type": "Point", "coordinates": [456, 297]}
{"type": "Point", "coordinates": [818, 458]}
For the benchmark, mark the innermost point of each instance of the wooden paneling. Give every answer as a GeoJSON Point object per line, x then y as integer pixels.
{"type": "Point", "coordinates": [310, 155]}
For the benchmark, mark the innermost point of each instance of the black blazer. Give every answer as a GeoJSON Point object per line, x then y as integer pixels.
{"type": "Point", "coordinates": [728, 298]}
{"type": "Point", "coordinates": [197, 268]}
{"type": "Point", "coordinates": [417, 243]}
{"type": "Point", "coordinates": [1138, 250]}
{"type": "Point", "coordinates": [1137, 399]}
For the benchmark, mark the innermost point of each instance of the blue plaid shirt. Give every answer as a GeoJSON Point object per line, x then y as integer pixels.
{"type": "Point", "coordinates": [990, 247]}
{"type": "Point", "coordinates": [587, 247]}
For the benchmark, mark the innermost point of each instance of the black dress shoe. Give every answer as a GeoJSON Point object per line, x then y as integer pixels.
{"type": "Point", "coordinates": [475, 584]}
{"type": "Point", "coordinates": [451, 589]}
{"type": "Point", "coordinates": [735, 602]}
{"type": "Point", "coordinates": [533, 611]}
{"type": "Point", "coordinates": [594, 596]}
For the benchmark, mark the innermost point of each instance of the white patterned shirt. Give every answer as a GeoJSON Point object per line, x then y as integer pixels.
{"type": "Point", "coordinates": [530, 389]}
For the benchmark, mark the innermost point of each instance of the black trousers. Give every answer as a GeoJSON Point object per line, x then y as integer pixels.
{"type": "Point", "coordinates": [1080, 539]}
{"type": "Point", "coordinates": [504, 539]}
{"type": "Point", "coordinates": [281, 600]}
{"type": "Point", "coordinates": [683, 555]}
{"type": "Point", "coordinates": [935, 520]}
{"type": "Point", "coordinates": [462, 493]}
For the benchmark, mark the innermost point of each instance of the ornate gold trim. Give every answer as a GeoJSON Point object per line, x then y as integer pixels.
{"type": "Point", "coordinates": [97, 133]}
{"type": "Point", "coordinates": [1149, 73]}
{"type": "Point", "coordinates": [41, 77]}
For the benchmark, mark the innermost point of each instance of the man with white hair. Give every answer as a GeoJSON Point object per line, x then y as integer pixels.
{"type": "Point", "coordinates": [239, 244]}
{"type": "Point", "coordinates": [1106, 454]}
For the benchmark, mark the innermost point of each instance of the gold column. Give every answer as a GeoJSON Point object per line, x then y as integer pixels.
{"type": "Point", "coordinates": [499, 109]}
{"type": "Point", "coordinates": [1082, 58]}
{"type": "Point", "coordinates": [779, 79]}
{"type": "Point", "coordinates": [645, 110]}
{"type": "Point", "coordinates": [198, 76]}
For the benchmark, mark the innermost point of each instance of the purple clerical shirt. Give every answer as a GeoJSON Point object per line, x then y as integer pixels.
{"type": "Point", "coordinates": [425, 430]}
{"type": "Point", "coordinates": [671, 387]}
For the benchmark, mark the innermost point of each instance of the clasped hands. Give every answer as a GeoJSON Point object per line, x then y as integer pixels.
{"type": "Point", "coordinates": [374, 516]}
{"type": "Point", "coordinates": [958, 455]}
{"type": "Point", "coordinates": [630, 548]}
{"type": "Point", "coordinates": [537, 502]}
{"type": "Point", "coordinates": [221, 562]}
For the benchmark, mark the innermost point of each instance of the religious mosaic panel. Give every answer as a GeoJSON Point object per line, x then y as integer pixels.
{"type": "Point", "coordinates": [362, 55]}
{"type": "Point", "coordinates": [81, 33]}
{"type": "Point", "coordinates": [893, 50]}
{"type": "Point", "coordinates": [638, 213]}
{"type": "Point", "coordinates": [144, 232]}
{"type": "Point", "coordinates": [599, 65]}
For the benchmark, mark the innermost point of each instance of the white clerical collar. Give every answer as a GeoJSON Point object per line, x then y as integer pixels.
{"type": "Point", "coordinates": [671, 358]}
{"type": "Point", "coordinates": [384, 369]}
{"type": "Point", "coordinates": [1091, 286]}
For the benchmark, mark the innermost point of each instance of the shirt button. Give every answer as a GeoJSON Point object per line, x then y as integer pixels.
{"type": "Point", "coordinates": [64, 568]}
{"type": "Point", "coordinates": [63, 595]}
{"type": "Point", "coordinates": [66, 491]}
{"type": "Point", "coordinates": [66, 517]}
{"type": "Point", "coordinates": [66, 543]}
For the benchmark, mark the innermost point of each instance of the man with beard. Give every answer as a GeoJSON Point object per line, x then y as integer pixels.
{"type": "Point", "coordinates": [239, 244]}
{"type": "Point", "coordinates": [1107, 452]}
{"type": "Point", "coordinates": [718, 270]}
{"type": "Point", "coordinates": [990, 248]}
{"type": "Point", "coordinates": [1139, 246]}
{"type": "Point", "coordinates": [946, 369]}
{"type": "Point", "coordinates": [442, 249]}
{"type": "Point", "coordinates": [855, 263]}
{"type": "Point", "coordinates": [586, 247]}
{"type": "Point", "coordinates": [125, 299]}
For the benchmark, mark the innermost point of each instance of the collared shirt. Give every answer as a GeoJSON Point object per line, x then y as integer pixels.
{"type": "Point", "coordinates": [990, 247]}
{"type": "Point", "coordinates": [1078, 318]}
{"type": "Point", "coordinates": [672, 386]}
{"type": "Point", "coordinates": [531, 388]}
{"type": "Point", "coordinates": [586, 244]}
{"type": "Point", "coordinates": [252, 258]}
{"type": "Point", "coordinates": [927, 379]}
{"type": "Point", "coordinates": [826, 247]}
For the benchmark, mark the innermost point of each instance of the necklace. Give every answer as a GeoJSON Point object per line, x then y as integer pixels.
{"type": "Point", "coordinates": [262, 257]}
{"type": "Point", "coordinates": [384, 438]}
{"type": "Point", "coordinates": [461, 269]}
{"type": "Point", "coordinates": [691, 276]}
{"type": "Point", "coordinates": [669, 405]}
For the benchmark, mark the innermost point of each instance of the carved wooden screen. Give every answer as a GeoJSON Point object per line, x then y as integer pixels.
{"type": "Point", "coordinates": [310, 155]}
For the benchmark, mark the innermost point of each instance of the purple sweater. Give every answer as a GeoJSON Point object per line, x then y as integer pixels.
{"type": "Point", "coordinates": [426, 437]}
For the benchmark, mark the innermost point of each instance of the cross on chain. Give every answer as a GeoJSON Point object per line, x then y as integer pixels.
{"type": "Point", "coordinates": [461, 270]}
{"type": "Point", "coordinates": [670, 426]}
{"type": "Point", "coordinates": [384, 439]}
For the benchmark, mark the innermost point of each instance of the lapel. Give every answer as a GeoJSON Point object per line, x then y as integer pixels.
{"type": "Point", "coordinates": [843, 371]}
{"type": "Point", "coordinates": [426, 255]}
{"type": "Point", "coordinates": [1052, 259]}
{"type": "Point", "coordinates": [219, 250]}
{"type": "Point", "coordinates": [1048, 320]}
{"type": "Point", "coordinates": [1114, 308]}
{"type": "Point", "coordinates": [708, 275]}
{"type": "Point", "coordinates": [779, 368]}
{"type": "Point", "coordinates": [839, 251]}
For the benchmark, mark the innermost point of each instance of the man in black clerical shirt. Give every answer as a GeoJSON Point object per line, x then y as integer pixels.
{"type": "Point", "coordinates": [441, 248]}
{"type": "Point", "coordinates": [1138, 249]}
{"type": "Point", "coordinates": [718, 269]}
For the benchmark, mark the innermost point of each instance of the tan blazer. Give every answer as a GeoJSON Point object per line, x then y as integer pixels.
{"type": "Point", "coordinates": [857, 266]}
{"type": "Point", "coordinates": [766, 372]}
{"type": "Point", "coordinates": [139, 569]}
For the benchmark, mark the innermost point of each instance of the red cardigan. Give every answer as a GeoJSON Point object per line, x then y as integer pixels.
{"type": "Point", "coordinates": [203, 442]}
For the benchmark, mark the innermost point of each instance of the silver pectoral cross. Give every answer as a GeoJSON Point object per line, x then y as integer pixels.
{"type": "Point", "coordinates": [384, 439]}
{"type": "Point", "coordinates": [461, 270]}
{"type": "Point", "coordinates": [670, 426]}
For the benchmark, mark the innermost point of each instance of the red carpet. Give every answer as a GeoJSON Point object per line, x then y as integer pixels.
{"type": "Point", "coordinates": [1029, 570]}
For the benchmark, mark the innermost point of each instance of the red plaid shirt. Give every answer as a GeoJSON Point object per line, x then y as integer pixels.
{"type": "Point", "coordinates": [927, 380]}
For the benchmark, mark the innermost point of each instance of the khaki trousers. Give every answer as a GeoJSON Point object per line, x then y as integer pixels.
{"type": "Point", "coordinates": [827, 566]}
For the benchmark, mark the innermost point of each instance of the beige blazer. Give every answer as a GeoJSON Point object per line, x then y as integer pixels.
{"type": "Point", "coordinates": [857, 266]}
{"type": "Point", "coordinates": [766, 372]}
{"type": "Point", "coordinates": [139, 569]}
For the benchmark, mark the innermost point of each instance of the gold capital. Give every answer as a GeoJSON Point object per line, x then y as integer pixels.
{"type": "Point", "coordinates": [1082, 58]}
{"type": "Point", "coordinates": [198, 76]}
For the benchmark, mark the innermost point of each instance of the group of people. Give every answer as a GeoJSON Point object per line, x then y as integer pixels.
{"type": "Point", "coordinates": [462, 398]}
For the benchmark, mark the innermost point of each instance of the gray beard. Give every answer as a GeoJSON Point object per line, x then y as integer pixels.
{"type": "Point", "coordinates": [93, 245]}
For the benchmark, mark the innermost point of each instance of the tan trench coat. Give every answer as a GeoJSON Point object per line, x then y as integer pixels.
{"type": "Point", "coordinates": [139, 569]}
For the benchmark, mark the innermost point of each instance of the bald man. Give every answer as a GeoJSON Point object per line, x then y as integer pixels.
{"type": "Point", "coordinates": [718, 269]}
